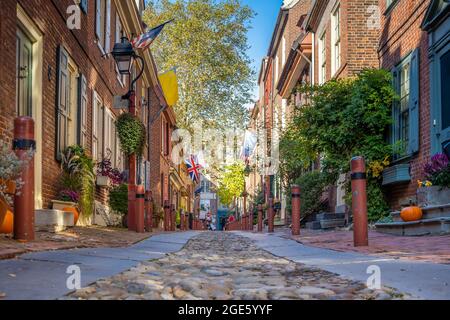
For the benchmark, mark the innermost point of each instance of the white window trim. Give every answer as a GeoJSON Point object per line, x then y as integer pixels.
{"type": "Point", "coordinates": [322, 47]}
{"type": "Point", "coordinates": [95, 130]}
{"type": "Point", "coordinates": [104, 47]}
{"type": "Point", "coordinates": [335, 39]}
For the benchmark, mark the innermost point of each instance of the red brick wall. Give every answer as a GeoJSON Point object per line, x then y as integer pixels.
{"type": "Point", "coordinates": [50, 18]}
{"type": "Point", "coordinates": [400, 35]}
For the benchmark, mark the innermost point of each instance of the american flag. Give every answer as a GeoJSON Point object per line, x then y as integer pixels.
{"type": "Point", "coordinates": [146, 39]}
{"type": "Point", "coordinates": [193, 168]}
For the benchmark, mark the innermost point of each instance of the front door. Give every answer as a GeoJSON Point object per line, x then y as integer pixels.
{"type": "Point", "coordinates": [444, 106]}
{"type": "Point", "coordinates": [24, 67]}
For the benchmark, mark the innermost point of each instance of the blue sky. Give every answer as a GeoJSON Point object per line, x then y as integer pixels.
{"type": "Point", "coordinates": [262, 27]}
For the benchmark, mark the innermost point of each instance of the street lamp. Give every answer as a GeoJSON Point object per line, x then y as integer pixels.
{"type": "Point", "coordinates": [124, 55]}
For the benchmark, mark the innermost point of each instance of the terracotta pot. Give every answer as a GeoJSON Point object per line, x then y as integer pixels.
{"type": "Point", "coordinates": [6, 217]}
{"type": "Point", "coordinates": [10, 186]}
{"type": "Point", "coordinates": [411, 214]}
{"type": "Point", "coordinates": [76, 214]}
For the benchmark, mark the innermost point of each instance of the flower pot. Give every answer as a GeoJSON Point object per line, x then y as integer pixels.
{"type": "Point", "coordinates": [411, 214]}
{"type": "Point", "coordinates": [75, 212]}
{"type": "Point", "coordinates": [433, 196]}
{"type": "Point", "coordinates": [60, 205]}
{"type": "Point", "coordinates": [6, 217]}
{"type": "Point", "coordinates": [10, 186]}
{"type": "Point", "coordinates": [103, 181]}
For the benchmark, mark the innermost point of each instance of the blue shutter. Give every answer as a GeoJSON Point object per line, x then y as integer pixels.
{"type": "Point", "coordinates": [413, 145]}
{"type": "Point", "coordinates": [395, 125]}
{"type": "Point", "coordinates": [84, 5]}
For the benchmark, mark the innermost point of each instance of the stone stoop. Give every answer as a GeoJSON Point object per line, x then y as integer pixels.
{"type": "Point", "coordinates": [435, 221]}
{"type": "Point", "coordinates": [53, 220]}
{"type": "Point", "coordinates": [326, 220]}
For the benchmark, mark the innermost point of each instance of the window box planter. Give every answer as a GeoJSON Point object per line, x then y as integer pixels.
{"type": "Point", "coordinates": [433, 196]}
{"type": "Point", "coordinates": [396, 174]}
{"type": "Point", "coordinates": [103, 181]}
{"type": "Point", "coordinates": [60, 205]}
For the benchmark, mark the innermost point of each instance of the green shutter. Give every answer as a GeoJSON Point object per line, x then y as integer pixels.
{"type": "Point", "coordinates": [413, 145]}
{"type": "Point", "coordinates": [82, 112]}
{"type": "Point", "coordinates": [395, 127]}
{"type": "Point", "coordinates": [62, 101]}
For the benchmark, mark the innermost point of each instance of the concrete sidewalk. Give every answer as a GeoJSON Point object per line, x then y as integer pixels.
{"type": "Point", "coordinates": [42, 275]}
{"type": "Point", "coordinates": [420, 279]}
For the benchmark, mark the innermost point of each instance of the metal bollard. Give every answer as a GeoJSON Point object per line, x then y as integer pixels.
{"type": "Point", "coordinates": [148, 211]}
{"type": "Point", "coordinates": [139, 217]}
{"type": "Point", "coordinates": [166, 215]}
{"type": "Point", "coordinates": [24, 202]}
{"type": "Point", "coordinates": [359, 202]}
{"type": "Point", "coordinates": [295, 210]}
{"type": "Point", "coordinates": [270, 216]}
{"type": "Point", "coordinates": [260, 218]}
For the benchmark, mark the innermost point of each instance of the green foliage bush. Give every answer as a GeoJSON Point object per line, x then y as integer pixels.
{"type": "Point", "coordinates": [342, 119]}
{"type": "Point", "coordinates": [131, 133]}
{"type": "Point", "coordinates": [312, 185]}
{"type": "Point", "coordinates": [118, 198]}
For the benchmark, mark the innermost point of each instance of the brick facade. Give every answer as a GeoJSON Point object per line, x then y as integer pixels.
{"type": "Point", "coordinates": [49, 19]}
{"type": "Point", "coordinates": [401, 34]}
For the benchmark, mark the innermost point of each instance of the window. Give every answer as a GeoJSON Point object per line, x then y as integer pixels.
{"type": "Point", "coordinates": [283, 54]}
{"type": "Point", "coordinates": [405, 130]}
{"type": "Point", "coordinates": [97, 127]}
{"type": "Point", "coordinates": [445, 89]}
{"type": "Point", "coordinates": [336, 40]}
{"type": "Point", "coordinates": [103, 24]}
{"type": "Point", "coordinates": [276, 69]}
{"type": "Point", "coordinates": [70, 101]}
{"type": "Point", "coordinates": [322, 59]}
{"type": "Point", "coordinates": [84, 5]}
{"type": "Point", "coordinates": [82, 112]}
{"type": "Point", "coordinates": [110, 138]}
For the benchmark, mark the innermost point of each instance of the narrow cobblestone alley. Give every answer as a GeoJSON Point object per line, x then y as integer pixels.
{"type": "Point", "coordinates": [217, 265]}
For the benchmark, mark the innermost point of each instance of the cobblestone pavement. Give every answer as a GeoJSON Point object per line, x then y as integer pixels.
{"type": "Point", "coordinates": [217, 265]}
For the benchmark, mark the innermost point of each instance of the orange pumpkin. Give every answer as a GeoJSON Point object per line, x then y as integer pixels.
{"type": "Point", "coordinates": [76, 214]}
{"type": "Point", "coordinates": [411, 214]}
{"type": "Point", "coordinates": [10, 186]}
{"type": "Point", "coordinates": [6, 217]}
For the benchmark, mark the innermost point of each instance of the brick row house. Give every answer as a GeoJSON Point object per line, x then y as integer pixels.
{"type": "Point", "coordinates": [64, 78]}
{"type": "Point", "coordinates": [335, 39]}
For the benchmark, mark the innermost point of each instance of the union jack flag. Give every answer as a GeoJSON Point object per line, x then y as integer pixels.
{"type": "Point", "coordinates": [193, 168]}
{"type": "Point", "coordinates": [147, 38]}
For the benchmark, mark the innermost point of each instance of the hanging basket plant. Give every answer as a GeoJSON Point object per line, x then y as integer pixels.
{"type": "Point", "coordinates": [131, 134]}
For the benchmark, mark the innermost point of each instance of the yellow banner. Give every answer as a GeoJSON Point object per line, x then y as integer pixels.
{"type": "Point", "coordinates": [169, 86]}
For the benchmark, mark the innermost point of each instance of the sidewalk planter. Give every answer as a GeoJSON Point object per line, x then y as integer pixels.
{"type": "Point", "coordinates": [66, 206]}
{"type": "Point", "coordinates": [396, 174]}
{"type": "Point", "coordinates": [103, 181]}
{"type": "Point", "coordinates": [409, 214]}
{"type": "Point", "coordinates": [6, 217]}
{"type": "Point", "coordinates": [433, 196]}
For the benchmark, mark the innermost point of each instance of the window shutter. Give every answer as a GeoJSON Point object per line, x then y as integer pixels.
{"type": "Point", "coordinates": [108, 26]}
{"type": "Point", "coordinates": [84, 5]}
{"type": "Point", "coordinates": [413, 145]}
{"type": "Point", "coordinates": [98, 18]}
{"type": "Point", "coordinates": [82, 111]}
{"type": "Point", "coordinates": [395, 125]}
{"type": "Point", "coordinates": [62, 101]}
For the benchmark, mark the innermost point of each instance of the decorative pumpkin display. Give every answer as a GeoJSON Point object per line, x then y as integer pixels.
{"type": "Point", "coordinates": [76, 214]}
{"type": "Point", "coordinates": [6, 217]}
{"type": "Point", "coordinates": [411, 214]}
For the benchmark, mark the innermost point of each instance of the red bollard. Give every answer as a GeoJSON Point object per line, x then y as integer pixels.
{"type": "Point", "coordinates": [140, 204]}
{"type": "Point", "coordinates": [148, 211]}
{"type": "Point", "coordinates": [295, 210]}
{"type": "Point", "coordinates": [24, 202]}
{"type": "Point", "coordinates": [260, 218]}
{"type": "Point", "coordinates": [270, 216]}
{"type": "Point", "coordinates": [166, 215]}
{"type": "Point", "coordinates": [131, 217]}
{"type": "Point", "coordinates": [250, 217]}
{"type": "Point", "coordinates": [173, 221]}
{"type": "Point", "coordinates": [359, 202]}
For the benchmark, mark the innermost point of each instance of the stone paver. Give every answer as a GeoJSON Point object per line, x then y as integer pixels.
{"type": "Point", "coordinates": [427, 248]}
{"type": "Point", "coordinates": [217, 265]}
{"type": "Point", "coordinates": [424, 280]}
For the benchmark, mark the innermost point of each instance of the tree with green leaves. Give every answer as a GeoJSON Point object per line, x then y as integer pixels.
{"type": "Point", "coordinates": [231, 183]}
{"type": "Point", "coordinates": [207, 44]}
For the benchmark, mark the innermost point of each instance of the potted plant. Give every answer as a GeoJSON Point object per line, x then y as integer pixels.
{"type": "Point", "coordinates": [10, 184]}
{"type": "Point", "coordinates": [107, 175]}
{"type": "Point", "coordinates": [436, 189]}
{"type": "Point", "coordinates": [118, 201]}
